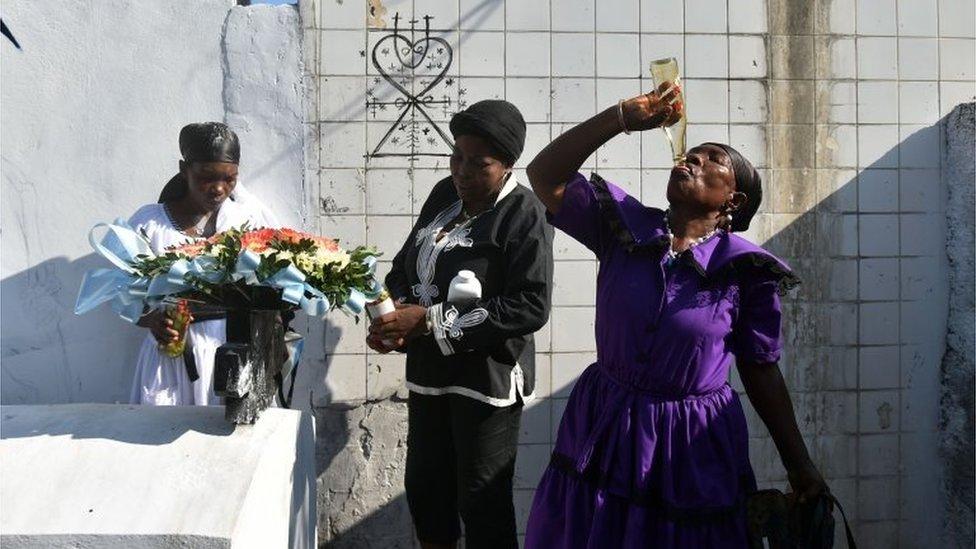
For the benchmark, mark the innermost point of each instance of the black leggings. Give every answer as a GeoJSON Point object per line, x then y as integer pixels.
{"type": "Point", "coordinates": [460, 460]}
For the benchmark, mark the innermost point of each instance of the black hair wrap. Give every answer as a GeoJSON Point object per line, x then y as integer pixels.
{"type": "Point", "coordinates": [747, 181]}
{"type": "Point", "coordinates": [498, 122]}
{"type": "Point", "coordinates": [202, 142]}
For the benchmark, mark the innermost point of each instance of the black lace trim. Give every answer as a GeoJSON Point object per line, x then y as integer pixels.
{"type": "Point", "coordinates": [567, 466]}
{"type": "Point", "coordinates": [786, 280]}
{"type": "Point", "coordinates": [616, 225]}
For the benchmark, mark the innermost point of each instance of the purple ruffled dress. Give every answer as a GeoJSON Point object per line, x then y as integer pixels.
{"type": "Point", "coordinates": [652, 450]}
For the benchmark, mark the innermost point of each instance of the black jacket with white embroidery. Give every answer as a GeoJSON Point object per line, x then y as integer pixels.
{"type": "Point", "coordinates": [483, 349]}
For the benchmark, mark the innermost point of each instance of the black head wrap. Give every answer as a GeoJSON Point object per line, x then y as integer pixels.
{"type": "Point", "coordinates": [747, 181]}
{"type": "Point", "coordinates": [202, 142]}
{"type": "Point", "coordinates": [209, 142]}
{"type": "Point", "coordinates": [497, 121]}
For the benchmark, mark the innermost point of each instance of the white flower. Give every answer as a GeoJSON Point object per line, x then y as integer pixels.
{"type": "Point", "coordinates": [304, 262]}
{"type": "Point", "coordinates": [340, 257]}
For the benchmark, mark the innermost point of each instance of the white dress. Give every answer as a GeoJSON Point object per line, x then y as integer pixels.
{"type": "Point", "coordinates": [159, 379]}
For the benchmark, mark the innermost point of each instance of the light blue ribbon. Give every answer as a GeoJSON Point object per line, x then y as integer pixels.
{"type": "Point", "coordinates": [291, 282]}
{"type": "Point", "coordinates": [317, 305]}
{"type": "Point", "coordinates": [295, 290]}
{"type": "Point", "coordinates": [174, 280]}
{"type": "Point", "coordinates": [129, 293]}
{"type": "Point", "coordinates": [206, 268]}
{"type": "Point", "coordinates": [355, 303]}
{"type": "Point", "coordinates": [246, 267]}
{"type": "Point", "coordinates": [121, 245]}
{"type": "Point", "coordinates": [376, 287]}
{"type": "Point", "coordinates": [126, 292]}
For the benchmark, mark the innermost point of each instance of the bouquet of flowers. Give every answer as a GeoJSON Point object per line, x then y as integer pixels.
{"type": "Point", "coordinates": [235, 269]}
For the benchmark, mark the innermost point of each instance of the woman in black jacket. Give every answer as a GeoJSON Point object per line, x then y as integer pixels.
{"type": "Point", "coordinates": [470, 363]}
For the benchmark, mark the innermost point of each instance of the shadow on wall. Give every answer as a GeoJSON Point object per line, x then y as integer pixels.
{"type": "Point", "coordinates": [49, 354]}
{"type": "Point", "coordinates": [52, 356]}
{"type": "Point", "coordinates": [139, 425]}
{"type": "Point", "coordinates": [862, 370]}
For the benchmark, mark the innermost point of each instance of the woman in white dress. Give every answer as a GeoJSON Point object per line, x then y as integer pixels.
{"type": "Point", "coordinates": [194, 205]}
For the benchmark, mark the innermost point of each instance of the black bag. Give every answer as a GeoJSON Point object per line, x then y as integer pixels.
{"type": "Point", "coordinates": [788, 524]}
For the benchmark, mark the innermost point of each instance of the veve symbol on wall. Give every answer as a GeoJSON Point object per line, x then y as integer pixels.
{"type": "Point", "coordinates": [409, 64]}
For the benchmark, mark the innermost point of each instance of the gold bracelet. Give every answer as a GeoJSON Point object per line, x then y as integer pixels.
{"type": "Point", "coordinates": [620, 117]}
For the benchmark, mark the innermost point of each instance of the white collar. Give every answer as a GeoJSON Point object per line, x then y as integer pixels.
{"type": "Point", "coordinates": [509, 186]}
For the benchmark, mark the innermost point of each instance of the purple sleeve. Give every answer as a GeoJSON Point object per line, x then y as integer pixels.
{"type": "Point", "coordinates": [579, 214]}
{"type": "Point", "coordinates": [756, 334]}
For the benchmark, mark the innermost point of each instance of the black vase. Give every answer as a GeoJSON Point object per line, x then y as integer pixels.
{"type": "Point", "coordinates": [247, 366]}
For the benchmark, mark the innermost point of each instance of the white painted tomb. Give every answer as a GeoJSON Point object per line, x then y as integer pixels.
{"type": "Point", "coordinates": [114, 476]}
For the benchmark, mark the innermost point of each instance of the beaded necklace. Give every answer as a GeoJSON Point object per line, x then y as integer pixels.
{"type": "Point", "coordinates": [672, 255]}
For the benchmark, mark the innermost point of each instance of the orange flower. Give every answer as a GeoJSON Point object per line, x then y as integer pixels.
{"type": "Point", "coordinates": [190, 249]}
{"type": "Point", "coordinates": [291, 235]}
{"type": "Point", "coordinates": [326, 243]}
{"type": "Point", "coordinates": [257, 241]}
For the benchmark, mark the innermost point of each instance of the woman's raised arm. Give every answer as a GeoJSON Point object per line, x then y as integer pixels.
{"type": "Point", "coordinates": [557, 162]}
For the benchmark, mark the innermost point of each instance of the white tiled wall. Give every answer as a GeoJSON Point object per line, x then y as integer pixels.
{"type": "Point", "coordinates": [857, 208]}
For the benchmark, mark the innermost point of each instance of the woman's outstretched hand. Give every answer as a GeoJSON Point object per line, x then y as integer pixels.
{"type": "Point", "coordinates": [661, 107]}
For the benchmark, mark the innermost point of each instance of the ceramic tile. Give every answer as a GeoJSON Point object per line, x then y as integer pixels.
{"type": "Point", "coordinates": [617, 55]}
{"type": "Point", "coordinates": [918, 58]}
{"type": "Point", "coordinates": [918, 18]}
{"type": "Point", "coordinates": [617, 16]}
{"type": "Point", "coordinates": [747, 101]}
{"type": "Point", "coordinates": [573, 99]}
{"type": "Point", "coordinates": [532, 16]}
{"type": "Point", "coordinates": [957, 59]}
{"type": "Point", "coordinates": [662, 16]}
{"type": "Point", "coordinates": [482, 54]}
{"type": "Point", "coordinates": [957, 18]}
{"type": "Point", "coordinates": [747, 16]}
{"type": "Point", "coordinates": [531, 96]}
{"type": "Point", "coordinates": [918, 102]}
{"type": "Point", "coordinates": [877, 102]}
{"type": "Point", "coordinates": [573, 15]}
{"type": "Point", "coordinates": [706, 16]}
{"type": "Point", "coordinates": [707, 56]}
{"type": "Point", "coordinates": [527, 54]}
{"type": "Point", "coordinates": [573, 54]}
{"type": "Point", "coordinates": [482, 14]}
{"type": "Point", "coordinates": [747, 57]}
{"type": "Point", "coordinates": [876, 17]}
{"type": "Point", "coordinates": [877, 58]}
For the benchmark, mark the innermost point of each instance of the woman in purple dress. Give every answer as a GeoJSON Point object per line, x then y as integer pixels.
{"type": "Point", "coordinates": [652, 450]}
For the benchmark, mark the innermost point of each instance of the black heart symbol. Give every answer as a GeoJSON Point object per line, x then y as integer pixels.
{"type": "Point", "coordinates": [418, 51]}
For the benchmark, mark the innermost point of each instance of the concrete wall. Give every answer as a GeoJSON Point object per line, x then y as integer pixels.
{"type": "Point", "coordinates": [839, 102]}
{"type": "Point", "coordinates": [91, 111]}
{"type": "Point", "coordinates": [958, 362]}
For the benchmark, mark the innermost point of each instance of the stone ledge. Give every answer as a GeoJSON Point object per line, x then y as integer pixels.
{"type": "Point", "coordinates": [103, 475]}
